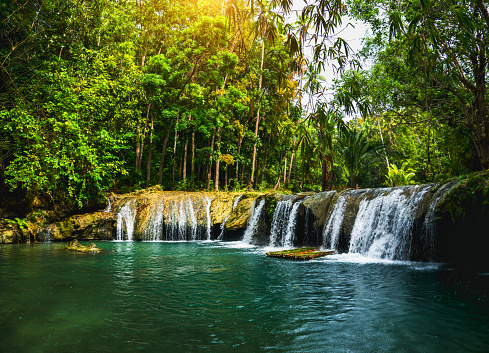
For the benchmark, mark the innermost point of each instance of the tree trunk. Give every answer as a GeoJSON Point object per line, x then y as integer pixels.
{"type": "Point", "coordinates": [279, 174]}
{"type": "Point", "coordinates": [139, 156]}
{"type": "Point", "coordinates": [209, 172]}
{"type": "Point", "coordinates": [324, 176]}
{"type": "Point", "coordinates": [192, 163]}
{"type": "Point", "coordinates": [184, 173]}
{"type": "Point", "coordinates": [163, 151]}
{"type": "Point", "coordinates": [285, 170]}
{"type": "Point", "coordinates": [291, 162]}
{"type": "Point", "coordinates": [174, 157]}
{"type": "Point", "coordinates": [250, 186]}
{"type": "Point", "coordinates": [216, 184]}
{"type": "Point", "coordinates": [263, 165]}
{"type": "Point", "coordinates": [240, 140]}
{"type": "Point", "coordinates": [150, 150]}
{"type": "Point", "coordinates": [226, 178]}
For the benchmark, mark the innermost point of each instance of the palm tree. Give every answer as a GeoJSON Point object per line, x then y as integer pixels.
{"type": "Point", "coordinates": [317, 136]}
{"type": "Point", "coordinates": [355, 148]}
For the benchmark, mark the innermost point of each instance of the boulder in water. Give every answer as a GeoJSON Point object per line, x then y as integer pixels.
{"type": "Point", "coordinates": [76, 246]}
{"type": "Point", "coordinates": [300, 254]}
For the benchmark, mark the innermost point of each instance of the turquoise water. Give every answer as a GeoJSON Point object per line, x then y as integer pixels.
{"type": "Point", "coordinates": [217, 297]}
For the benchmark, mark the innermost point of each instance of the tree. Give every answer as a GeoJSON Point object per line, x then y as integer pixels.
{"type": "Point", "coordinates": [450, 42]}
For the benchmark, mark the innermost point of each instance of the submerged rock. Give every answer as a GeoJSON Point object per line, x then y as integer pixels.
{"type": "Point", "coordinates": [300, 254]}
{"type": "Point", "coordinates": [76, 246]}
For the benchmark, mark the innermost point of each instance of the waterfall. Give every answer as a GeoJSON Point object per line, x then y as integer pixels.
{"type": "Point", "coordinates": [208, 203]}
{"type": "Point", "coordinates": [125, 220]}
{"type": "Point", "coordinates": [429, 226]}
{"type": "Point", "coordinates": [279, 222]}
{"type": "Point", "coordinates": [384, 222]}
{"type": "Point", "coordinates": [288, 241]}
{"type": "Point", "coordinates": [331, 230]}
{"type": "Point", "coordinates": [107, 209]}
{"type": "Point", "coordinates": [223, 224]}
{"type": "Point", "coordinates": [181, 223]}
{"type": "Point", "coordinates": [284, 221]}
{"type": "Point", "coordinates": [178, 217]}
{"type": "Point", "coordinates": [253, 222]}
{"type": "Point", "coordinates": [154, 230]}
{"type": "Point", "coordinates": [46, 234]}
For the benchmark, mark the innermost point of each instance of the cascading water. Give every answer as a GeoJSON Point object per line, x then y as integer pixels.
{"type": "Point", "coordinates": [331, 230]}
{"type": "Point", "coordinates": [223, 224]}
{"type": "Point", "coordinates": [107, 209]}
{"type": "Point", "coordinates": [429, 226]}
{"type": "Point", "coordinates": [280, 221]}
{"type": "Point", "coordinates": [284, 222]}
{"type": "Point", "coordinates": [208, 203]}
{"type": "Point", "coordinates": [253, 222]}
{"type": "Point", "coordinates": [125, 220]}
{"type": "Point", "coordinates": [384, 222]}
{"type": "Point", "coordinates": [288, 240]}
{"type": "Point", "coordinates": [181, 222]}
{"type": "Point", "coordinates": [179, 217]}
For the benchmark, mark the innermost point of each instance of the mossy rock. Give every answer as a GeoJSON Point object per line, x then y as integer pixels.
{"type": "Point", "coordinates": [221, 207]}
{"type": "Point", "coordinates": [300, 253]}
{"type": "Point", "coordinates": [240, 215]}
{"type": "Point", "coordinates": [318, 204]}
{"type": "Point", "coordinates": [462, 223]}
{"type": "Point", "coordinates": [76, 246]}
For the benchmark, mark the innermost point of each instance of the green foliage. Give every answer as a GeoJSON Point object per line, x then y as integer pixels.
{"type": "Point", "coordinates": [399, 177]}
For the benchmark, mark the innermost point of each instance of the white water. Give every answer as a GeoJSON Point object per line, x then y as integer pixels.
{"type": "Point", "coordinates": [288, 241]}
{"type": "Point", "coordinates": [125, 220]}
{"type": "Point", "coordinates": [331, 230]}
{"type": "Point", "coordinates": [279, 222]}
{"type": "Point", "coordinates": [253, 222]}
{"type": "Point", "coordinates": [429, 224]}
{"type": "Point", "coordinates": [181, 222]}
{"type": "Point", "coordinates": [223, 224]}
{"type": "Point", "coordinates": [383, 225]}
{"type": "Point", "coordinates": [107, 209]}
{"type": "Point", "coordinates": [208, 203]}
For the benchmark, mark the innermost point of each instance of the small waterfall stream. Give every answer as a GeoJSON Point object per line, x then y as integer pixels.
{"type": "Point", "coordinates": [290, 234]}
{"type": "Point", "coordinates": [253, 222]}
{"type": "Point", "coordinates": [223, 224]}
{"type": "Point", "coordinates": [429, 225]}
{"type": "Point", "coordinates": [179, 217]}
{"type": "Point", "coordinates": [125, 220]}
{"type": "Point", "coordinates": [284, 222]}
{"type": "Point", "coordinates": [280, 220]}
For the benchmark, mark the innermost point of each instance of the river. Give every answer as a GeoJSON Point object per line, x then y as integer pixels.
{"type": "Point", "coordinates": [228, 296]}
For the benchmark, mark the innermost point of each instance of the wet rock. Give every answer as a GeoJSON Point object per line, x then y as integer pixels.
{"type": "Point", "coordinates": [462, 223]}
{"type": "Point", "coordinates": [237, 222]}
{"type": "Point", "coordinates": [90, 226]}
{"type": "Point", "coordinates": [76, 246]}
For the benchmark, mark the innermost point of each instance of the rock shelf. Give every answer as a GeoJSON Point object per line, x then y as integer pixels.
{"type": "Point", "coordinates": [300, 254]}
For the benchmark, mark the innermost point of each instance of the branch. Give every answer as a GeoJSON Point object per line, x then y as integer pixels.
{"type": "Point", "coordinates": [483, 10]}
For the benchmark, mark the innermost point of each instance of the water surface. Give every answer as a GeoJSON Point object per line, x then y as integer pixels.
{"type": "Point", "coordinates": [221, 297]}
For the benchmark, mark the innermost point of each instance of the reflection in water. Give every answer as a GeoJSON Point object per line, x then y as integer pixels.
{"type": "Point", "coordinates": [185, 297]}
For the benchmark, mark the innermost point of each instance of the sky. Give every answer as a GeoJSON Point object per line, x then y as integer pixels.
{"type": "Point", "coordinates": [353, 34]}
{"type": "Point", "coordinates": [351, 31]}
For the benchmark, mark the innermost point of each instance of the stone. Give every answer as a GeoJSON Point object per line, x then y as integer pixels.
{"type": "Point", "coordinates": [76, 246]}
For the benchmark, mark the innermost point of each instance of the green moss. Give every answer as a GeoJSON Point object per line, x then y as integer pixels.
{"type": "Point", "coordinates": [66, 227]}
{"type": "Point", "coordinates": [468, 197]}
{"type": "Point", "coordinates": [300, 253]}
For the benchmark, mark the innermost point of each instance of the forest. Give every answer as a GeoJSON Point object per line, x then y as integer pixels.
{"type": "Point", "coordinates": [118, 95]}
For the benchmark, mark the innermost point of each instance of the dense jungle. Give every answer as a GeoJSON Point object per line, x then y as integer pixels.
{"type": "Point", "coordinates": [100, 96]}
